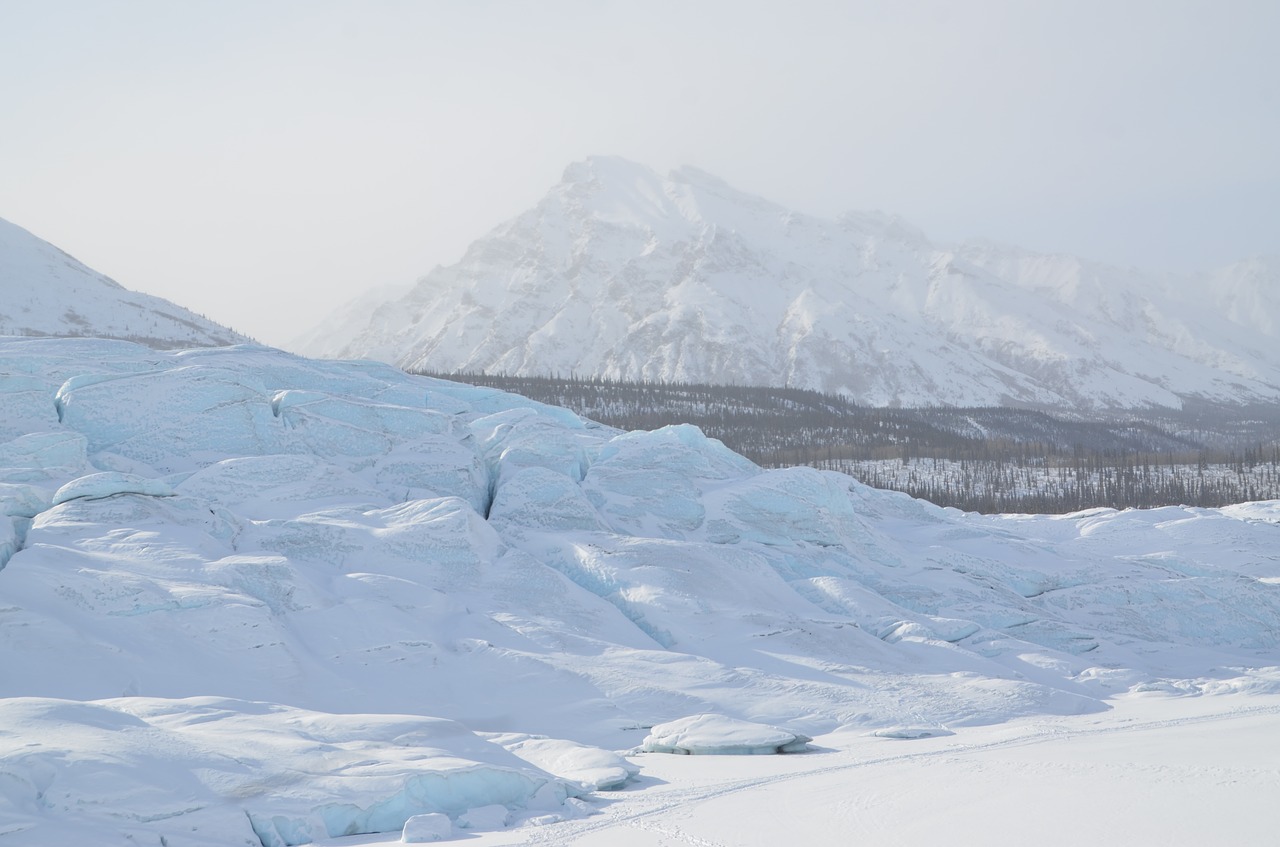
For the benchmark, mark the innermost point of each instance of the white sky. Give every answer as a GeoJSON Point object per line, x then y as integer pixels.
{"type": "Point", "coordinates": [264, 161]}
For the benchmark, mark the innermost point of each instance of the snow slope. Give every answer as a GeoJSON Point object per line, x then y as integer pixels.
{"type": "Point", "coordinates": [44, 291]}
{"type": "Point", "coordinates": [224, 571]}
{"type": "Point", "coordinates": [1156, 772]}
{"type": "Point", "coordinates": [620, 272]}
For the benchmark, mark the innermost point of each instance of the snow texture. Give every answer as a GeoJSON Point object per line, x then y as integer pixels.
{"type": "Point", "coordinates": [45, 292]}
{"type": "Point", "coordinates": [235, 582]}
{"type": "Point", "coordinates": [217, 771]}
{"type": "Point", "coordinates": [596, 769]}
{"type": "Point", "coordinates": [716, 735]}
{"type": "Point", "coordinates": [433, 826]}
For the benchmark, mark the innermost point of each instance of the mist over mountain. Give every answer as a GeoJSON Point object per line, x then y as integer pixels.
{"type": "Point", "coordinates": [622, 273]}
{"type": "Point", "coordinates": [44, 291]}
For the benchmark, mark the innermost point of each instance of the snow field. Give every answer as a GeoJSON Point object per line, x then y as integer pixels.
{"type": "Point", "coordinates": [1157, 770]}
{"type": "Point", "coordinates": [205, 550]}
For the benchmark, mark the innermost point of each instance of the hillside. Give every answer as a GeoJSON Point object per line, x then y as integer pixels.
{"type": "Point", "coordinates": [45, 292]}
{"type": "Point", "coordinates": [990, 459]}
{"type": "Point", "coordinates": [622, 273]}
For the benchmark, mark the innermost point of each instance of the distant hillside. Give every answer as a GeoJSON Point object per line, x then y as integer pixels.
{"type": "Point", "coordinates": [46, 292]}
{"type": "Point", "coordinates": [622, 273]}
{"type": "Point", "coordinates": [977, 459]}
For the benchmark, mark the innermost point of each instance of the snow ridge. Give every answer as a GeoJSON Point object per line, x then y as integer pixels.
{"type": "Point", "coordinates": [620, 272]}
{"type": "Point", "coordinates": [46, 292]}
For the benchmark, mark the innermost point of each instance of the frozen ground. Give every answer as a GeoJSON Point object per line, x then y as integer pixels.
{"type": "Point", "coordinates": [1157, 770]}
{"type": "Point", "coordinates": [247, 598]}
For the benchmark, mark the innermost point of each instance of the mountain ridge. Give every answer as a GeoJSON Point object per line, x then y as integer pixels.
{"type": "Point", "coordinates": [46, 291]}
{"type": "Point", "coordinates": [621, 273]}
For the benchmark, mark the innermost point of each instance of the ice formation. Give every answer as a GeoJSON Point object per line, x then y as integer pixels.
{"type": "Point", "coordinates": [230, 574]}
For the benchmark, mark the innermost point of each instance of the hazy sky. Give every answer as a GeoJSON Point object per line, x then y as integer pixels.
{"type": "Point", "coordinates": [264, 162]}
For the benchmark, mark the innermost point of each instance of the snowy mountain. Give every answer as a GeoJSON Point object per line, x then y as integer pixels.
{"type": "Point", "coordinates": [620, 272]}
{"type": "Point", "coordinates": [44, 291]}
{"type": "Point", "coordinates": [252, 599]}
{"type": "Point", "coordinates": [326, 339]}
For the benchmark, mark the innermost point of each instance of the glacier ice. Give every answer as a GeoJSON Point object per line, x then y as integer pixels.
{"type": "Point", "coordinates": [346, 540]}
{"type": "Point", "coordinates": [433, 826]}
{"type": "Point", "coordinates": [215, 771]}
{"type": "Point", "coordinates": [108, 484]}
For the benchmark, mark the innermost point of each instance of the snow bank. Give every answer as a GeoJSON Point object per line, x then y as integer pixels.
{"type": "Point", "coordinates": [109, 484]}
{"type": "Point", "coordinates": [212, 771]}
{"type": "Point", "coordinates": [597, 769]}
{"type": "Point", "coordinates": [717, 735]}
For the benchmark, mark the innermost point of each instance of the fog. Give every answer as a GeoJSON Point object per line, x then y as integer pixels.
{"type": "Point", "coordinates": [263, 163]}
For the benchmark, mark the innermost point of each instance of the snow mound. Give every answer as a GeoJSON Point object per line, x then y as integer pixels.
{"type": "Point", "coordinates": [224, 772]}
{"type": "Point", "coordinates": [717, 735]}
{"type": "Point", "coordinates": [597, 769]}
{"type": "Point", "coordinates": [910, 733]}
{"type": "Point", "coordinates": [22, 501]}
{"type": "Point", "coordinates": [109, 484]}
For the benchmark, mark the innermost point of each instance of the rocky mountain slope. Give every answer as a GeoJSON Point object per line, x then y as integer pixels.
{"type": "Point", "coordinates": [623, 273]}
{"type": "Point", "coordinates": [44, 291]}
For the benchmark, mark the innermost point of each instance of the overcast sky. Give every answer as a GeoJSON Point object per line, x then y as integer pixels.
{"type": "Point", "coordinates": [263, 162]}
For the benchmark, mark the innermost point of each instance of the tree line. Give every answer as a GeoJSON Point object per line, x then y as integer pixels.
{"type": "Point", "coordinates": [986, 459]}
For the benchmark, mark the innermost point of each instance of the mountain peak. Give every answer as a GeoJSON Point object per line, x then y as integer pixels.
{"type": "Point", "coordinates": [623, 273]}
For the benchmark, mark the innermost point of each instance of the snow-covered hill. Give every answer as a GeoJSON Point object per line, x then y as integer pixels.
{"type": "Point", "coordinates": [620, 272]}
{"type": "Point", "coordinates": [248, 598]}
{"type": "Point", "coordinates": [44, 291]}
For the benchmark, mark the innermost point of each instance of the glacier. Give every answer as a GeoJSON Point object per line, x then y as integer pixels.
{"type": "Point", "coordinates": [248, 597]}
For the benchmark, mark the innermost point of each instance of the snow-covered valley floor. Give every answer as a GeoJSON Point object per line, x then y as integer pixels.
{"type": "Point", "coordinates": [1155, 770]}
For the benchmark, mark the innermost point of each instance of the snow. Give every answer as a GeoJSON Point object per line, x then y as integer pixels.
{"type": "Point", "coordinates": [595, 768]}
{"type": "Point", "coordinates": [248, 597]}
{"type": "Point", "coordinates": [716, 735]}
{"type": "Point", "coordinates": [620, 272]}
{"type": "Point", "coordinates": [1155, 770]}
{"type": "Point", "coordinates": [44, 291]}
{"type": "Point", "coordinates": [96, 486]}
{"type": "Point", "coordinates": [238, 772]}
{"type": "Point", "coordinates": [432, 826]}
